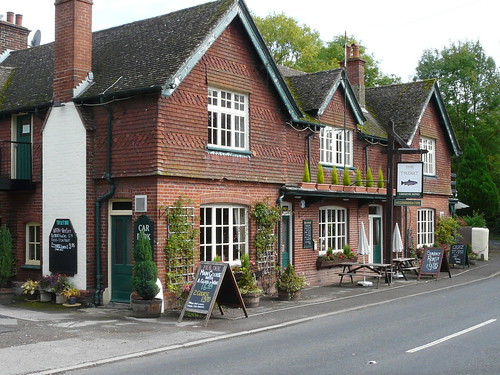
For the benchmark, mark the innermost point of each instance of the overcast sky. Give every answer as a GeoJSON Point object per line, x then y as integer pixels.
{"type": "Point", "coordinates": [396, 32]}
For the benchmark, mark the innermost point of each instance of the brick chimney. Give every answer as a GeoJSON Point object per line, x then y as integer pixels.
{"type": "Point", "coordinates": [72, 46]}
{"type": "Point", "coordinates": [356, 72]}
{"type": "Point", "coordinates": [13, 36]}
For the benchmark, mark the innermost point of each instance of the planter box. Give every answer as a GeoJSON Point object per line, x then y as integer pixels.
{"type": "Point", "coordinates": [334, 263]}
{"type": "Point", "coordinates": [360, 189]}
{"type": "Point", "coordinates": [325, 187]}
{"type": "Point", "coordinates": [349, 189]}
{"type": "Point", "coordinates": [337, 187]}
{"type": "Point", "coordinates": [307, 185]}
{"type": "Point", "coordinates": [372, 190]}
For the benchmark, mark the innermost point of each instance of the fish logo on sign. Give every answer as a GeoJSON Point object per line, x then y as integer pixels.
{"type": "Point", "coordinates": [408, 183]}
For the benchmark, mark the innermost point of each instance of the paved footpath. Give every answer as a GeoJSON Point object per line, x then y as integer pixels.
{"type": "Point", "coordinates": [47, 339]}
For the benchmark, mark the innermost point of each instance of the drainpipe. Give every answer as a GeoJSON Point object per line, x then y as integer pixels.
{"type": "Point", "coordinates": [279, 202]}
{"type": "Point", "coordinates": [366, 157]}
{"type": "Point", "coordinates": [111, 191]}
{"type": "Point", "coordinates": [308, 137]}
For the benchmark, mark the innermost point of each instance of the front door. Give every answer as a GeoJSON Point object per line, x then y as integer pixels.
{"type": "Point", "coordinates": [121, 258]}
{"type": "Point", "coordinates": [23, 148]}
{"type": "Point", "coordinates": [286, 235]}
{"type": "Point", "coordinates": [376, 238]}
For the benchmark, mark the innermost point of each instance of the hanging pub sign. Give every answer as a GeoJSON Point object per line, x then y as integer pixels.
{"type": "Point", "coordinates": [214, 282]}
{"type": "Point", "coordinates": [410, 180]}
{"type": "Point", "coordinates": [63, 248]}
{"type": "Point", "coordinates": [144, 224]}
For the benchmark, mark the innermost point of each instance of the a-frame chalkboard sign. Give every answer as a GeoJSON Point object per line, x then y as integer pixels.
{"type": "Point", "coordinates": [214, 282]}
{"type": "Point", "coordinates": [458, 255]}
{"type": "Point", "coordinates": [434, 262]}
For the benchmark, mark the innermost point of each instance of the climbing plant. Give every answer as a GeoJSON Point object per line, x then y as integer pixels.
{"type": "Point", "coordinates": [181, 241]}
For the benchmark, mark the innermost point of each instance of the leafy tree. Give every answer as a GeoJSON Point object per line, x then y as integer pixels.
{"type": "Point", "coordinates": [369, 177]}
{"type": "Point", "coordinates": [474, 183]}
{"type": "Point", "coordinates": [320, 175]}
{"type": "Point", "coordinates": [306, 177]}
{"type": "Point", "coordinates": [144, 273]}
{"type": "Point", "coordinates": [335, 176]}
{"type": "Point", "coordinates": [299, 47]}
{"type": "Point", "coordinates": [470, 84]}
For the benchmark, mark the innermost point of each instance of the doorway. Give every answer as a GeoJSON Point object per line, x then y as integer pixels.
{"type": "Point", "coordinates": [22, 149]}
{"type": "Point", "coordinates": [121, 250]}
{"type": "Point", "coordinates": [286, 235]}
{"type": "Point", "coordinates": [375, 235]}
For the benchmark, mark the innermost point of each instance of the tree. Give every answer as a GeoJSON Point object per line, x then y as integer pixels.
{"type": "Point", "coordinates": [474, 184]}
{"type": "Point", "coordinates": [470, 84]}
{"type": "Point", "coordinates": [299, 47]}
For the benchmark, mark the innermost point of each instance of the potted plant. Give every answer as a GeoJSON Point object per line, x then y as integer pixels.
{"type": "Point", "coordinates": [320, 179]}
{"type": "Point", "coordinates": [60, 284]}
{"type": "Point", "coordinates": [381, 182]}
{"type": "Point", "coordinates": [71, 293]}
{"type": "Point", "coordinates": [306, 178]}
{"type": "Point", "coordinates": [46, 287]}
{"type": "Point", "coordinates": [247, 284]}
{"type": "Point", "coordinates": [290, 284]}
{"type": "Point", "coordinates": [7, 260]}
{"type": "Point", "coordinates": [346, 180]}
{"type": "Point", "coordinates": [333, 259]}
{"type": "Point", "coordinates": [358, 182]}
{"type": "Point", "coordinates": [144, 275]}
{"type": "Point", "coordinates": [335, 181]}
{"type": "Point", "coordinates": [30, 288]}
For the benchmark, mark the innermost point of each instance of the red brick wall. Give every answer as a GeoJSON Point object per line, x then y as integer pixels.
{"type": "Point", "coordinates": [72, 46]}
{"type": "Point", "coordinates": [12, 36]}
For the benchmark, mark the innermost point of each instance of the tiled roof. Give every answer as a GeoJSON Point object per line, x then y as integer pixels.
{"type": "Point", "coordinates": [140, 55]}
{"type": "Point", "coordinates": [403, 103]}
{"type": "Point", "coordinates": [312, 89]}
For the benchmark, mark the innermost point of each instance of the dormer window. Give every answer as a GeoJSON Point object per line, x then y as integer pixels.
{"type": "Point", "coordinates": [429, 159]}
{"type": "Point", "coordinates": [227, 120]}
{"type": "Point", "coordinates": [336, 146]}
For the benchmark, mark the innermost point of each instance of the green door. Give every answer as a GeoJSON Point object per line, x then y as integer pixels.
{"type": "Point", "coordinates": [23, 148]}
{"type": "Point", "coordinates": [121, 258]}
{"type": "Point", "coordinates": [285, 238]}
{"type": "Point", "coordinates": [377, 239]}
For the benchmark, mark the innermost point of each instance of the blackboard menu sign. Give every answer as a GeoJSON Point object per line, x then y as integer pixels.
{"type": "Point", "coordinates": [433, 262]}
{"type": "Point", "coordinates": [458, 255]}
{"type": "Point", "coordinates": [214, 282]}
{"type": "Point", "coordinates": [307, 234]}
{"type": "Point", "coordinates": [63, 248]}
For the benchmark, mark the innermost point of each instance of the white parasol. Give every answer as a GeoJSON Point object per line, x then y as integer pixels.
{"type": "Point", "coordinates": [397, 245]}
{"type": "Point", "coordinates": [363, 249]}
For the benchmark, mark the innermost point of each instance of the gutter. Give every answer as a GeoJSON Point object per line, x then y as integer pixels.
{"type": "Point", "coordinates": [111, 191]}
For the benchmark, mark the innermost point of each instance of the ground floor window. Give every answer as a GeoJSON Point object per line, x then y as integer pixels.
{"type": "Point", "coordinates": [425, 227]}
{"type": "Point", "coordinates": [223, 232]}
{"type": "Point", "coordinates": [33, 244]}
{"type": "Point", "coordinates": [332, 228]}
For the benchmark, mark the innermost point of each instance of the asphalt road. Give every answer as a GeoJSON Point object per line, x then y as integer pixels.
{"type": "Point", "coordinates": [451, 330]}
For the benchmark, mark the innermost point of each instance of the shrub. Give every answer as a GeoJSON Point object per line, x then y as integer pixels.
{"type": "Point", "coordinates": [289, 281]}
{"type": "Point", "coordinates": [357, 180]}
{"type": "Point", "coordinates": [346, 179]}
{"type": "Point", "coordinates": [144, 273]}
{"type": "Point", "coordinates": [307, 175]}
{"type": "Point", "coordinates": [7, 260]}
{"type": "Point", "coordinates": [369, 177]}
{"type": "Point", "coordinates": [320, 175]}
{"type": "Point", "coordinates": [476, 220]}
{"type": "Point", "coordinates": [380, 182]}
{"type": "Point", "coordinates": [335, 176]}
{"type": "Point", "coordinates": [447, 231]}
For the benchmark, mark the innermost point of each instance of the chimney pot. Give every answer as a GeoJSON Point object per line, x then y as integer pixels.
{"type": "Point", "coordinates": [19, 19]}
{"type": "Point", "coordinates": [10, 17]}
{"type": "Point", "coordinates": [355, 50]}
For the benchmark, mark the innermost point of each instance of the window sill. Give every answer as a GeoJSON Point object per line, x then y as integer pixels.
{"type": "Point", "coordinates": [226, 151]}
{"type": "Point", "coordinates": [31, 267]}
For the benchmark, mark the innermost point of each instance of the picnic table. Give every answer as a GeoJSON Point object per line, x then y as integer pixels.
{"type": "Point", "coordinates": [377, 270]}
{"type": "Point", "coordinates": [403, 265]}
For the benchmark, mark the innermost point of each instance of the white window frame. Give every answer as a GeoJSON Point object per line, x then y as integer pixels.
{"type": "Point", "coordinates": [336, 146]}
{"type": "Point", "coordinates": [429, 159]}
{"type": "Point", "coordinates": [426, 218]}
{"type": "Point", "coordinates": [33, 243]}
{"type": "Point", "coordinates": [227, 238]}
{"type": "Point", "coordinates": [227, 120]}
{"type": "Point", "coordinates": [333, 228]}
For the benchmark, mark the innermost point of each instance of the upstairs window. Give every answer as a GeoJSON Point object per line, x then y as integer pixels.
{"type": "Point", "coordinates": [227, 120]}
{"type": "Point", "coordinates": [336, 146]}
{"type": "Point", "coordinates": [429, 159]}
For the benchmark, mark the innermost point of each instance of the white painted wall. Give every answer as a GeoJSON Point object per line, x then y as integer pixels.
{"type": "Point", "coordinates": [64, 191]}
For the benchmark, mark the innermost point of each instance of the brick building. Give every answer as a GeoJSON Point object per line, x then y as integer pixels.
{"type": "Point", "coordinates": [102, 129]}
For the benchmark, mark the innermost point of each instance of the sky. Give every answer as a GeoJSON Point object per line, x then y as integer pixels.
{"type": "Point", "coordinates": [395, 32]}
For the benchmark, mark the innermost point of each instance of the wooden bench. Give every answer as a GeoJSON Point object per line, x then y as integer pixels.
{"type": "Point", "coordinates": [360, 274]}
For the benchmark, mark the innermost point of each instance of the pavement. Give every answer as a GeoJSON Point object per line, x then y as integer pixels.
{"type": "Point", "coordinates": [43, 338]}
